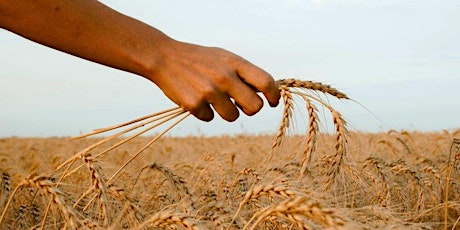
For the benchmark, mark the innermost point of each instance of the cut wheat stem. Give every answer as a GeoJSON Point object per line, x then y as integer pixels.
{"type": "Point", "coordinates": [164, 115]}
{"type": "Point", "coordinates": [185, 115]}
{"type": "Point", "coordinates": [102, 130]}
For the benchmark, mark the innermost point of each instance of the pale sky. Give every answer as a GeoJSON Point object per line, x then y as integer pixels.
{"type": "Point", "coordinates": [399, 59]}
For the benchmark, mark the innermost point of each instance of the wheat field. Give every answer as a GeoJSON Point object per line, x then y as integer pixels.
{"type": "Point", "coordinates": [312, 180]}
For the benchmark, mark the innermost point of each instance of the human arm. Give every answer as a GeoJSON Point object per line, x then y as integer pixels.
{"type": "Point", "coordinates": [194, 77]}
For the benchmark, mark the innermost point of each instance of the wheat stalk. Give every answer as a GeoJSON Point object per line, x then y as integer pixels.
{"type": "Point", "coordinates": [379, 165]}
{"type": "Point", "coordinates": [97, 184]}
{"type": "Point", "coordinates": [179, 184]}
{"type": "Point", "coordinates": [287, 113]}
{"type": "Point", "coordinates": [160, 118]}
{"type": "Point", "coordinates": [153, 117]}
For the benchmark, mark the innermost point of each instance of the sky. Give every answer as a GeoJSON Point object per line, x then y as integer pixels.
{"type": "Point", "coordinates": [398, 60]}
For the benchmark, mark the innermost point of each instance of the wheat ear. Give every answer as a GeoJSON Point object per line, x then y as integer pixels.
{"type": "Point", "coordinates": [401, 166]}
{"type": "Point", "coordinates": [341, 140]}
{"type": "Point", "coordinates": [379, 165]}
{"type": "Point", "coordinates": [312, 131]}
{"type": "Point", "coordinates": [169, 218]}
{"type": "Point", "coordinates": [5, 188]}
{"type": "Point", "coordinates": [264, 190]}
{"type": "Point", "coordinates": [97, 184]}
{"type": "Point", "coordinates": [179, 184]}
{"type": "Point", "coordinates": [311, 85]}
{"type": "Point", "coordinates": [294, 209]}
{"type": "Point", "coordinates": [287, 113]}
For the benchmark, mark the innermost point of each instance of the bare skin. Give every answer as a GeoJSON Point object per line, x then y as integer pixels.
{"type": "Point", "coordinates": [213, 78]}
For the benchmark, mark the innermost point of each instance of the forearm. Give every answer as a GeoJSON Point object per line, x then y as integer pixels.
{"type": "Point", "coordinates": [87, 29]}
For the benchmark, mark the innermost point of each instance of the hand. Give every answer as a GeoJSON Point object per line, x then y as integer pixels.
{"type": "Point", "coordinates": [197, 77]}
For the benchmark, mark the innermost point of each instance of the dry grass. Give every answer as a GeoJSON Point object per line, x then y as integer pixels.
{"type": "Point", "coordinates": [343, 180]}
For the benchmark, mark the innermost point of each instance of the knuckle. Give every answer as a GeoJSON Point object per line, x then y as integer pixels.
{"type": "Point", "coordinates": [191, 107]}
{"type": "Point", "coordinates": [266, 84]}
{"type": "Point", "coordinates": [222, 79]}
{"type": "Point", "coordinates": [207, 94]}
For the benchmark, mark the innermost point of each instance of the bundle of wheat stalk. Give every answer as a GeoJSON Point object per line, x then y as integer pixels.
{"type": "Point", "coordinates": [289, 88]}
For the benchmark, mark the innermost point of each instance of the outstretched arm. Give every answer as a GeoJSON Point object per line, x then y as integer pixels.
{"type": "Point", "coordinates": [194, 77]}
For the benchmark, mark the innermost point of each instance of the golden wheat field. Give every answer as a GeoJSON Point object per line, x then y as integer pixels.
{"type": "Point", "coordinates": [341, 180]}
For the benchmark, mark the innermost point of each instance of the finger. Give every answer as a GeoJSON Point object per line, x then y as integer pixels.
{"type": "Point", "coordinates": [245, 97]}
{"type": "Point", "coordinates": [261, 81]}
{"type": "Point", "coordinates": [225, 107]}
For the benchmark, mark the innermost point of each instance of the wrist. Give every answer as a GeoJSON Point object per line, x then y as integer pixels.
{"type": "Point", "coordinates": [150, 58]}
